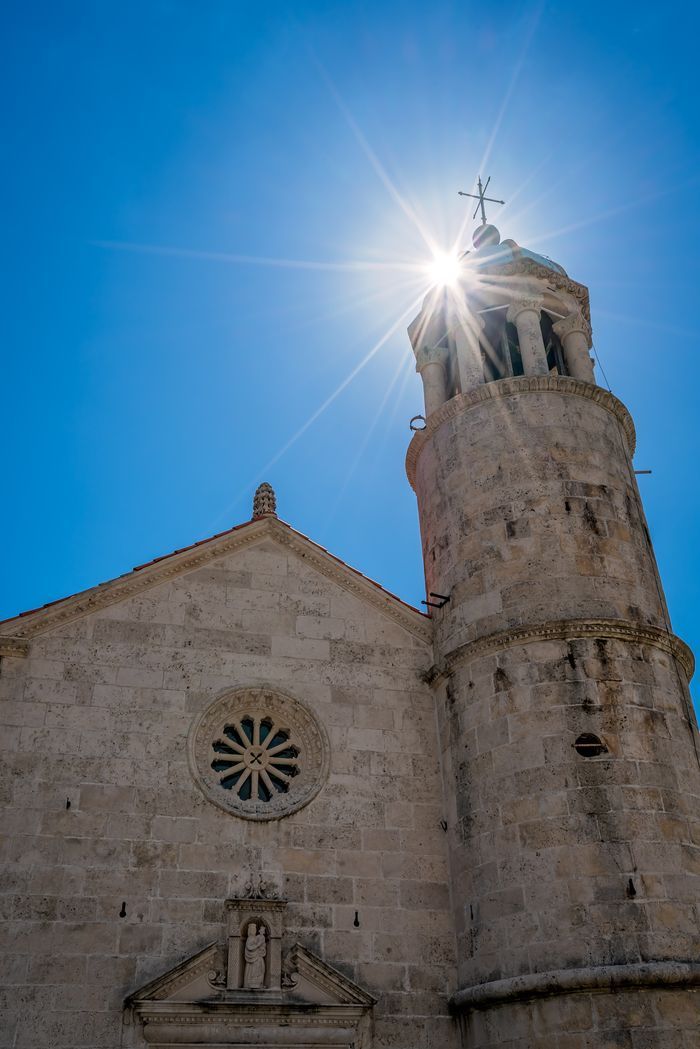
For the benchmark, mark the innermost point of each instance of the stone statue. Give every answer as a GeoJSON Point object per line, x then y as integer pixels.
{"type": "Point", "coordinates": [255, 951]}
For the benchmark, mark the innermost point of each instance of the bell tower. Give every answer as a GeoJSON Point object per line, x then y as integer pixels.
{"type": "Point", "coordinates": [569, 745]}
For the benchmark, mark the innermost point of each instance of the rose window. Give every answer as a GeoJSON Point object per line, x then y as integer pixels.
{"type": "Point", "coordinates": [255, 758]}
{"type": "Point", "coordinates": [258, 753]}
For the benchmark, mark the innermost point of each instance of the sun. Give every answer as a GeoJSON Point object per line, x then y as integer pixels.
{"type": "Point", "coordinates": [444, 270]}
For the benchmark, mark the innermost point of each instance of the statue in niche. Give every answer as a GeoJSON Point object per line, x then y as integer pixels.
{"type": "Point", "coordinates": [254, 954]}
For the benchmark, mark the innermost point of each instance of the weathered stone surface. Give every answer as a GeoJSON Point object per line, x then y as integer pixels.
{"type": "Point", "coordinates": [505, 858]}
{"type": "Point", "coordinates": [109, 700]}
{"type": "Point", "coordinates": [556, 628]}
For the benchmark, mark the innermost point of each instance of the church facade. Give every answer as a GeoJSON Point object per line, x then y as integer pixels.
{"type": "Point", "coordinates": [253, 799]}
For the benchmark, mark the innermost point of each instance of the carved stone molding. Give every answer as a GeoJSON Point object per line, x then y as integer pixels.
{"type": "Point", "coordinates": [430, 355]}
{"type": "Point", "coordinates": [521, 305]}
{"type": "Point", "coordinates": [574, 322]}
{"type": "Point", "coordinates": [602, 978]}
{"type": "Point", "coordinates": [205, 963]}
{"type": "Point", "coordinates": [258, 753]}
{"type": "Point", "coordinates": [206, 1001]}
{"type": "Point", "coordinates": [17, 647]}
{"type": "Point", "coordinates": [258, 887]}
{"type": "Point", "coordinates": [411, 619]}
{"type": "Point", "coordinates": [506, 388]}
{"type": "Point", "coordinates": [558, 281]}
{"type": "Point", "coordinates": [40, 620]}
{"type": "Point", "coordinates": [301, 965]}
{"type": "Point", "coordinates": [568, 629]}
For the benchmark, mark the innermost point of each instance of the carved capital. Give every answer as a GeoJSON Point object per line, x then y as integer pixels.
{"type": "Point", "coordinates": [574, 322]}
{"type": "Point", "coordinates": [534, 305]}
{"type": "Point", "coordinates": [430, 355]}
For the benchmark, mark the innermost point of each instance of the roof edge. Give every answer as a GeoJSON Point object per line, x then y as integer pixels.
{"type": "Point", "coordinates": [33, 623]}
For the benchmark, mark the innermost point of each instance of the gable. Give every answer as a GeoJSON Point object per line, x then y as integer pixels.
{"type": "Point", "coordinates": [297, 563]}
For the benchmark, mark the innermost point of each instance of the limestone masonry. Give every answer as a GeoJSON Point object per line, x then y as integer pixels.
{"type": "Point", "coordinates": [252, 799]}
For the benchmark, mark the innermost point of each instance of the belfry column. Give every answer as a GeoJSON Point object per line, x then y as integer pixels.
{"type": "Point", "coordinates": [575, 334]}
{"type": "Point", "coordinates": [430, 364]}
{"type": "Point", "coordinates": [525, 315]}
{"type": "Point", "coordinates": [469, 363]}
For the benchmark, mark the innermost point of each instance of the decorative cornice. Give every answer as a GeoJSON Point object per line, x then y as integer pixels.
{"type": "Point", "coordinates": [506, 388]}
{"type": "Point", "coordinates": [409, 618]}
{"type": "Point", "coordinates": [259, 902]}
{"type": "Point", "coordinates": [17, 647]}
{"type": "Point", "coordinates": [38, 621]}
{"type": "Point", "coordinates": [102, 596]}
{"type": "Point", "coordinates": [567, 629]}
{"type": "Point", "coordinates": [237, 1014]}
{"type": "Point", "coordinates": [559, 281]}
{"type": "Point", "coordinates": [602, 978]}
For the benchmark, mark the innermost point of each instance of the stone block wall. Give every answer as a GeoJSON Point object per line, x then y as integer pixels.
{"type": "Point", "coordinates": [562, 860]}
{"type": "Point", "coordinates": [115, 866]}
{"type": "Point", "coordinates": [530, 511]}
{"type": "Point", "coordinates": [556, 628]}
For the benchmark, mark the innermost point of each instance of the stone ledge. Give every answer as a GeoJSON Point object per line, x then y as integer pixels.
{"type": "Point", "coordinates": [567, 629]}
{"type": "Point", "coordinates": [505, 388]}
{"type": "Point", "coordinates": [17, 647]}
{"type": "Point", "coordinates": [603, 978]}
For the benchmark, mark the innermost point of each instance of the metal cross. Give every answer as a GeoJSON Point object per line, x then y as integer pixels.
{"type": "Point", "coordinates": [481, 198]}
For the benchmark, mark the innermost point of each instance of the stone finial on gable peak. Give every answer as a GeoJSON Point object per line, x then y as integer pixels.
{"type": "Point", "coordinates": [264, 501]}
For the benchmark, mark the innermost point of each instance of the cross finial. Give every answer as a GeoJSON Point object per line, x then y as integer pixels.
{"type": "Point", "coordinates": [481, 198]}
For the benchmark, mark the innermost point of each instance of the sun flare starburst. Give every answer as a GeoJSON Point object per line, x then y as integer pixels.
{"type": "Point", "coordinates": [444, 269]}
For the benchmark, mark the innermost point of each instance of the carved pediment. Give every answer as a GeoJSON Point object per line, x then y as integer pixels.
{"type": "Point", "coordinates": [311, 980]}
{"type": "Point", "coordinates": [195, 979]}
{"type": "Point", "coordinates": [298, 1000]}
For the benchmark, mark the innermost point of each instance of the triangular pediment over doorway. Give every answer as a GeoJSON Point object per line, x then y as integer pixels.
{"type": "Point", "coordinates": [316, 1005]}
{"type": "Point", "coordinates": [311, 980]}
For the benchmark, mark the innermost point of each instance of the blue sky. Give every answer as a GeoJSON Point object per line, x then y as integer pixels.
{"type": "Point", "coordinates": [153, 376]}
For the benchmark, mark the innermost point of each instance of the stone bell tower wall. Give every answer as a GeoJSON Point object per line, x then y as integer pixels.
{"type": "Point", "coordinates": [529, 509]}
{"type": "Point", "coordinates": [562, 864]}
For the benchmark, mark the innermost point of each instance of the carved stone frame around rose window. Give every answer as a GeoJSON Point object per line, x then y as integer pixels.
{"type": "Point", "coordinates": [260, 703]}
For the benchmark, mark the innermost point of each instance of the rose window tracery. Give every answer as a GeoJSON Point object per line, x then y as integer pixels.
{"type": "Point", "coordinates": [256, 758]}
{"type": "Point", "coordinates": [258, 753]}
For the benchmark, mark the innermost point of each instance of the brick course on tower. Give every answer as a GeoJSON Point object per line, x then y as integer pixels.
{"type": "Point", "coordinates": [253, 799]}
